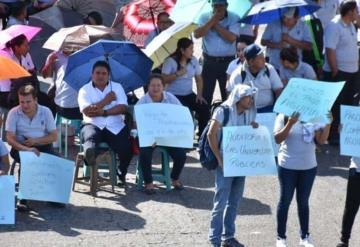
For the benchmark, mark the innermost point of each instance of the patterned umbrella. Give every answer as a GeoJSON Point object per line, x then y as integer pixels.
{"type": "Point", "coordinates": [138, 18]}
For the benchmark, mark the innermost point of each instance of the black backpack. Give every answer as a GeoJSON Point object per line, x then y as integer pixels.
{"type": "Point", "coordinates": [207, 157]}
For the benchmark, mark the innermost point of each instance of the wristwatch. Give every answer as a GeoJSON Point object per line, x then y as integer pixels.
{"type": "Point", "coordinates": [105, 113]}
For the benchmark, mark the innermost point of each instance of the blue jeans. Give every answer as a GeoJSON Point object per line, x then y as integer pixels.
{"type": "Point", "coordinates": [228, 192]}
{"type": "Point", "coordinates": [302, 181]}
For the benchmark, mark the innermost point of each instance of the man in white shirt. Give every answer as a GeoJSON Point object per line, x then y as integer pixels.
{"type": "Point", "coordinates": [103, 104]}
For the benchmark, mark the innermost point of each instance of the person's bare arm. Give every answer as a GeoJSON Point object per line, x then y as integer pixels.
{"type": "Point", "coordinates": [331, 58]}
{"type": "Point", "coordinates": [48, 68]}
{"type": "Point", "coordinates": [281, 135]}
{"type": "Point", "coordinates": [301, 44]}
{"type": "Point", "coordinates": [225, 34]}
{"type": "Point", "coordinates": [48, 139]}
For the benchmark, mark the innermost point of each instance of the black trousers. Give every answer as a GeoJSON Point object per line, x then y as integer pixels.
{"type": "Point", "coordinates": [352, 204]}
{"type": "Point", "coordinates": [202, 110]}
{"type": "Point", "coordinates": [215, 69]}
{"type": "Point", "coordinates": [69, 113]}
{"type": "Point", "coordinates": [177, 154]}
{"type": "Point", "coordinates": [92, 136]}
{"type": "Point", "coordinates": [346, 97]}
{"type": "Point", "coordinates": [43, 148]}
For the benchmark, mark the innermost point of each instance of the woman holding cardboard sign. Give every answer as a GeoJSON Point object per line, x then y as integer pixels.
{"type": "Point", "coordinates": [156, 94]}
{"type": "Point", "coordinates": [297, 169]}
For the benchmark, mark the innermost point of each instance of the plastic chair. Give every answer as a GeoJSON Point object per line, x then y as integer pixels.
{"type": "Point", "coordinates": [104, 161]}
{"type": "Point", "coordinates": [60, 120]}
{"type": "Point", "coordinates": [161, 175]}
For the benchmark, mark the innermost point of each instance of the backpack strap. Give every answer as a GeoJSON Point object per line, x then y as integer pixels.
{"type": "Point", "coordinates": [226, 115]}
{"type": "Point", "coordinates": [243, 73]}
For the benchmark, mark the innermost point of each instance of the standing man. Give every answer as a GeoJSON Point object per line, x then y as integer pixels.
{"type": "Point", "coordinates": [256, 72]}
{"type": "Point", "coordinates": [289, 31]}
{"type": "Point", "coordinates": [342, 59]}
{"type": "Point", "coordinates": [103, 104]}
{"type": "Point", "coordinates": [218, 30]}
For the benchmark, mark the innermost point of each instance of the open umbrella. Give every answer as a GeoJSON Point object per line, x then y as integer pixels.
{"type": "Point", "coordinates": [105, 7]}
{"type": "Point", "coordinates": [269, 11]}
{"type": "Point", "coordinates": [138, 18]}
{"type": "Point", "coordinates": [191, 10]}
{"type": "Point", "coordinates": [16, 30]}
{"type": "Point", "coordinates": [129, 65]}
{"type": "Point", "coordinates": [11, 70]}
{"type": "Point", "coordinates": [78, 37]}
{"type": "Point", "coordinates": [165, 43]}
{"type": "Point", "coordinates": [50, 20]}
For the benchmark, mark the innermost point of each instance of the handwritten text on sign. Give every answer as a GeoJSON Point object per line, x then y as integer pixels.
{"type": "Point", "coordinates": [312, 99]}
{"type": "Point", "coordinates": [45, 177]}
{"type": "Point", "coordinates": [268, 120]}
{"type": "Point", "coordinates": [164, 124]}
{"type": "Point", "coordinates": [247, 151]}
{"type": "Point", "coordinates": [7, 200]}
{"type": "Point", "coordinates": [350, 131]}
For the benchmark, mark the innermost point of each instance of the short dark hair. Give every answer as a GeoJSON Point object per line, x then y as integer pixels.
{"type": "Point", "coordinates": [17, 41]}
{"type": "Point", "coordinates": [27, 90]}
{"type": "Point", "coordinates": [17, 10]}
{"type": "Point", "coordinates": [96, 16]}
{"type": "Point", "coordinates": [163, 14]}
{"type": "Point", "coordinates": [101, 63]}
{"type": "Point", "coordinates": [289, 54]}
{"type": "Point", "coordinates": [346, 6]}
{"type": "Point", "coordinates": [157, 76]}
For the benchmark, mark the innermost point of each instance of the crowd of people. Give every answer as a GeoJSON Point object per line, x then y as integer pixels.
{"type": "Point", "coordinates": [250, 79]}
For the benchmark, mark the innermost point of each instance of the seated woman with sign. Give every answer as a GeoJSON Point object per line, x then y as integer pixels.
{"type": "Point", "coordinates": [178, 71]}
{"type": "Point", "coordinates": [297, 169]}
{"type": "Point", "coordinates": [156, 94]}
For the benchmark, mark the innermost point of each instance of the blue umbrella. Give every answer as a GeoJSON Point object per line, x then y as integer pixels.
{"type": "Point", "coordinates": [129, 65]}
{"type": "Point", "coordinates": [269, 11]}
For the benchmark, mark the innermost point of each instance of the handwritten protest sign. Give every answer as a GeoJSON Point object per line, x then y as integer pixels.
{"type": "Point", "coordinates": [313, 99]}
{"type": "Point", "coordinates": [268, 120]}
{"type": "Point", "coordinates": [247, 151]}
{"type": "Point", "coordinates": [45, 177]}
{"type": "Point", "coordinates": [350, 131]}
{"type": "Point", "coordinates": [164, 124]}
{"type": "Point", "coordinates": [7, 200]}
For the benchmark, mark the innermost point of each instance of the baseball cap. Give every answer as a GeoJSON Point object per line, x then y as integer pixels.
{"type": "Point", "coordinates": [251, 51]}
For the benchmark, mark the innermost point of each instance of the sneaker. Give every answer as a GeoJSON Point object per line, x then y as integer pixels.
{"type": "Point", "coordinates": [306, 242]}
{"type": "Point", "coordinates": [342, 244]}
{"type": "Point", "coordinates": [281, 242]}
{"type": "Point", "coordinates": [231, 242]}
{"type": "Point", "coordinates": [23, 206]}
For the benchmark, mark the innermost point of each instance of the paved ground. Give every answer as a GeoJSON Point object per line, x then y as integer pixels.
{"type": "Point", "coordinates": [131, 218]}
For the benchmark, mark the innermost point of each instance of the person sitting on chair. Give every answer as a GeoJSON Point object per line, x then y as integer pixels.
{"type": "Point", "coordinates": [103, 104]}
{"type": "Point", "coordinates": [156, 94]}
{"type": "Point", "coordinates": [29, 127]}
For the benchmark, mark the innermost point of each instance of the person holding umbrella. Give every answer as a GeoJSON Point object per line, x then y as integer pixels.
{"type": "Point", "coordinates": [103, 104]}
{"type": "Point", "coordinates": [163, 22]}
{"type": "Point", "coordinates": [289, 31]}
